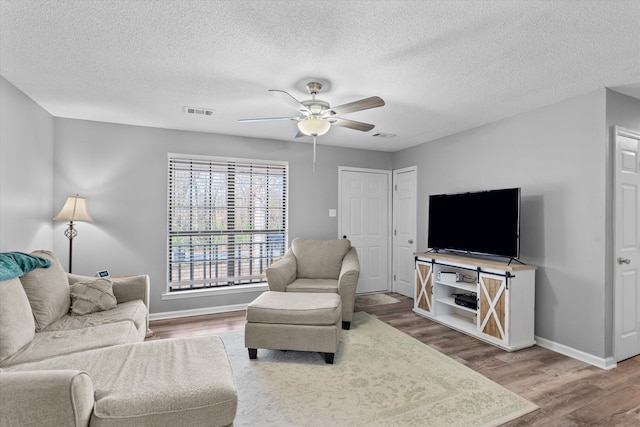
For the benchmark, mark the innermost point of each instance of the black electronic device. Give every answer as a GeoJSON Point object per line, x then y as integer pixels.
{"type": "Point", "coordinates": [483, 222]}
{"type": "Point", "coordinates": [466, 300]}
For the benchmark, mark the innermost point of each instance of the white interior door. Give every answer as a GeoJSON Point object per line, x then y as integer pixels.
{"type": "Point", "coordinates": [627, 243]}
{"type": "Point", "coordinates": [364, 220]}
{"type": "Point", "coordinates": [404, 229]}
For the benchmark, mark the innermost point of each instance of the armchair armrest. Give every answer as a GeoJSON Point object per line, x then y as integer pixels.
{"type": "Point", "coordinates": [347, 283]}
{"type": "Point", "coordinates": [56, 398]}
{"type": "Point", "coordinates": [282, 272]}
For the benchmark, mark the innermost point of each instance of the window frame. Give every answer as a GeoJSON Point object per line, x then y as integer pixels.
{"type": "Point", "coordinates": [231, 161]}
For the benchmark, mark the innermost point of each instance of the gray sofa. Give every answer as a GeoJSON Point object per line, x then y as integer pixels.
{"type": "Point", "coordinates": [319, 266]}
{"type": "Point", "coordinates": [72, 354]}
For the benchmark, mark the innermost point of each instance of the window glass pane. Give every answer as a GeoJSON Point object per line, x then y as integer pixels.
{"type": "Point", "coordinates": [226, 220]}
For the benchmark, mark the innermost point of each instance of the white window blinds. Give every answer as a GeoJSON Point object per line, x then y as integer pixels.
{"type": "Point", "coordinates": [227, 220]}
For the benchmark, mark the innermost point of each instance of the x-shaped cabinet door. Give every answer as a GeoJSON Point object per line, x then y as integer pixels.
{"type": "Point", "coordinates": [494, 303]}
{"type": "Point", "coordinates": [424, 286]}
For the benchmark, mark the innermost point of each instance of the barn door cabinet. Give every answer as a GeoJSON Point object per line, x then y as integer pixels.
{"type": "Point", "coordinates": [504, 295]}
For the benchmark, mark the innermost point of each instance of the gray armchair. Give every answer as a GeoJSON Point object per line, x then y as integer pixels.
{"type": "Point", "coordinates": [319, 266]}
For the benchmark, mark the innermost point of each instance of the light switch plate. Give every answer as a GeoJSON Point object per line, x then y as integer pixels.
{"type": "Point", "coordinates": [332, 213]}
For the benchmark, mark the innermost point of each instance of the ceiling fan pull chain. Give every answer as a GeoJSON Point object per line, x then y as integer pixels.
{"type": "Point", "coordinates": [314, 154]}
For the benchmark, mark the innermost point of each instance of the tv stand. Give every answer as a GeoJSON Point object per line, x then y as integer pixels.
{"type": "Point", "coordinates": [505, 295]}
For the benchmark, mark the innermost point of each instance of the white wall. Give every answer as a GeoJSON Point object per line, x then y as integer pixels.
{"type": "Point", "coordinates": [557, 155]}
{"type": "Point", "coordinates": [26, 172]}
{"type": "Point", "coordinates": [122, 170]}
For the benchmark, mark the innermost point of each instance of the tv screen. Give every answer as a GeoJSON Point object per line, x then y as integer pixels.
{"type": "Point", "coordinates": [484, 222]}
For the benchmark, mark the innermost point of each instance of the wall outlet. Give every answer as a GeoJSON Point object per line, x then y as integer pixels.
{"type": "Point", "coordinates": [332, 213]}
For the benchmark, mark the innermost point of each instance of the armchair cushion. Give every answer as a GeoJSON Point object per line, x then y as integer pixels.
{"type": "Point", "coordinates": [91, 296]}
{"type": "Point", "coordinates": [47, 290]}
{"type": "Point", "coordinates": [17, 327]}
{"type": "Point", "coordinates": [319, 259]}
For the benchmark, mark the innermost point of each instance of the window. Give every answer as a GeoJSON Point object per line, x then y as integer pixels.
{"type": "Point", "coordinates": [227, 220]}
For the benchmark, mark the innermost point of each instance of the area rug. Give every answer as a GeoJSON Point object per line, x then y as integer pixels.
{"type": "Point", "coordinates": [374, 299]}
{"type": "Point", "coordinates": [380, 377]}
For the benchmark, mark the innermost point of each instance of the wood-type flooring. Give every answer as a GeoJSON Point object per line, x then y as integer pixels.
{"type": "Point", "coordinates": [568, 392]}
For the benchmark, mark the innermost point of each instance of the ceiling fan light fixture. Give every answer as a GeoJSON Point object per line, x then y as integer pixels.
{"type": "Point", "coordinates": [314, 126]}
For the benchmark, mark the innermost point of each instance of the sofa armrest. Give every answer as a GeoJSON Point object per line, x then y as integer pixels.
{"type": "Point", "coordinates": [282, 272]}
{"type": "Point", "coordinates": [39, 398]}
{"type": "Point", "coordinates": [347, 283]}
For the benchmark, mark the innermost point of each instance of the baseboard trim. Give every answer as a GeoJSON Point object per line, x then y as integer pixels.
{"type": "Point", "coordinates": [599, 362]}
{"type": "Point", "coordinates": [197, 311]}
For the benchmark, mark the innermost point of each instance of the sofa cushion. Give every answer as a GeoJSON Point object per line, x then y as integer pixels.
{"type": "Point", "coordinates": [17, 327]}
{"type": "Point", "coordinates": [47, 290]}
{"type": "Point", "coordinates": [91, 296]}
{"type": "Point", "coordinates": [319, 259]}
{"type": "Point", "coordinates": [47, 345]}
{"type": "Point", "coordinates": [134, 311]}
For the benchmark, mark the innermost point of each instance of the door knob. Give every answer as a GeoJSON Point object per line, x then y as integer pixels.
{"type": "Point", "coordinates": [410, 241]}
{"type": "Point", "coordinates": [624, 261]}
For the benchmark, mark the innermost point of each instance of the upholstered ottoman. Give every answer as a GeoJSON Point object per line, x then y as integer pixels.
{"type": "Point", "coordinates": [294, 321]}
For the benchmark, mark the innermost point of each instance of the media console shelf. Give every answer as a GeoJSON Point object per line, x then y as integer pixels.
{"type": "Point", "coordinates": [504, 295]}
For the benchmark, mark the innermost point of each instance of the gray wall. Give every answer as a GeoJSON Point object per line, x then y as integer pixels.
{"type": "Point", "coordinates": [557, 155]}
{"type": "Point", "coordinates": [26, 172]}
{"type": "Point", "coordinates": [122, 170]}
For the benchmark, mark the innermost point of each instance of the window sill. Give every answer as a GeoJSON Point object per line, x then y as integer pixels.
{"type": "Point", "coordinates": [227, 290]}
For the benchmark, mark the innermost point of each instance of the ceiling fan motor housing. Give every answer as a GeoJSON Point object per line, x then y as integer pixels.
{"type": "Point", "coordinates": [314, 87]}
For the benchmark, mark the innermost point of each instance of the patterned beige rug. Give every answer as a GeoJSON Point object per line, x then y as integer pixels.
{"type": "Point", "coordinates": [381, 377]}
{"type": "Point", "coordinates": [374, 299]}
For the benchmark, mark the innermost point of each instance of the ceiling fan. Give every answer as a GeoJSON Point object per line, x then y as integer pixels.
{"type": "Point", "coordinates": [317, 116]}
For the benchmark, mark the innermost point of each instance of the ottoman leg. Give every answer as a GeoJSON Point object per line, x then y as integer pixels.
{"type": "Point", "coordinates": [328, 358]}
{"type": "Point", "coordinates": [253, 353]}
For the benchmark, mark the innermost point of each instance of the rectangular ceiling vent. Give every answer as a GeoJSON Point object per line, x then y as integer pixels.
{"type": "Point", "coordinates": [384, 135]}
{"type": "Point", "coordinates": [199, 111]}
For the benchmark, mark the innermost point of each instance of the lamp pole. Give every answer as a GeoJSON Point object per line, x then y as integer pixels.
{"type": "Point", "coordinates": [70, 232]}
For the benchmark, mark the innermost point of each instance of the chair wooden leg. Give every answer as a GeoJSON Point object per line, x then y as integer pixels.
{"type": "Point", "coordinates": [328, 358]}
{"type": "Point", "coordinates": [253, 353]}
{"type": "Point", "coordinates": [346, 325]}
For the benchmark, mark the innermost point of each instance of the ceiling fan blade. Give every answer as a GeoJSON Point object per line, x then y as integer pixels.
{"type": "Point", "coordinates": [269, 119]}
{"type": "Point", "coordinates": [364, 127]}
{"type": "Point", "coordinates": [363, 104]}
{"type": "Point", "coordinates": [286, 97]}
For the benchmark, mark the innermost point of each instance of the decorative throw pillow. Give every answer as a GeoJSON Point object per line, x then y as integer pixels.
{"type": "Point", "coordinates": [89, 297]}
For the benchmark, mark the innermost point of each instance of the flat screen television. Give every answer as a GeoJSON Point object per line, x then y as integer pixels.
{"type": "Point", "coordinates": [482, 222]}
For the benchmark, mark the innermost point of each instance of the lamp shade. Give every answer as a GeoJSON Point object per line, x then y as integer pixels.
{"type": "Point", "coordinates": [314, 126]}
{"type": "Point", "coordinates": [74, 209]}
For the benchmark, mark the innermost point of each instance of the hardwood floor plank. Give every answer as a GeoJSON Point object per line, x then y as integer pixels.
{"type": "Point", "coordinates": [568, 392]}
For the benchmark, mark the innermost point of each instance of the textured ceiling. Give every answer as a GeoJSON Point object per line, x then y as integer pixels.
{"type": "Point", "coordinates": [441, 66]}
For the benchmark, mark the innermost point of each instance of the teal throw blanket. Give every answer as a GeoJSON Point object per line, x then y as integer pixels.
{"type": "Point", "coordinates": [15, 264]}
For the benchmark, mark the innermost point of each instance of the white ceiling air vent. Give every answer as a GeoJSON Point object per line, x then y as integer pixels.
{"type": "Point", "coordinates": [384, 135]}
{"type": "Point", "coordinates": [200, 111]}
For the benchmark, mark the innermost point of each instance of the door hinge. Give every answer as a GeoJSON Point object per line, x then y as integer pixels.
{"type": "Point", "coordinates": [395, 187]}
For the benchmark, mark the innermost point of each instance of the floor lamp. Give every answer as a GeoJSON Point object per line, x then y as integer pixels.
{"type": "Point", "coordinates": [74, 209]}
